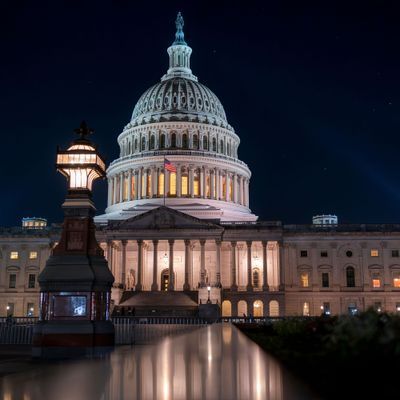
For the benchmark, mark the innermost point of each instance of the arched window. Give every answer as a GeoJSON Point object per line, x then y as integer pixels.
{"type": "Point", "coordinates": [228, 149]}
{"type": "Point", "coordinates": [184, 184]}
{"type": "Point", "coordinates": [273, 308]}
{"type": "Point", "coordinates": [185, 142]}
{"type": "Point", "coordinates": [221, 146]}
{"type": "Point", "coordinates": [152, 142]}
{"type": "Point", "coordinates": [205, 143]}
{"type": "Point", "coordinates": [258, 307]}
{"type": "Point", "coordinates": [162, 141]}
{"type": "Point", "coordinates": [214, 144]}
{"type": "Point", "coordinates": [350, 277]}
{"type": "Point", "coordinates": [196, 183]}
{"type": "Point", "coordinates": [143, 144]}
{"type": "Point", "coordinates": [136, 144]}
{"type": "Point", "coordinates": [195, 142]}
{"type": "Point", "coordinates": [256, 277]}
{"type": "Point", "coordinates": [173, 140]}
{"type": "Point", "coordinates": [129, 147]}
{"type": "Point", "coordinates": [226, 308]}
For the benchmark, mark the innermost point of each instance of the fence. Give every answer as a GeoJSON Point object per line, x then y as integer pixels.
{"type": "Point", "coordinates": [128, 330]}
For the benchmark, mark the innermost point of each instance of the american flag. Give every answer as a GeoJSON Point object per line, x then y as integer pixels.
{"type": "Point", "coordinates": [169, 166]}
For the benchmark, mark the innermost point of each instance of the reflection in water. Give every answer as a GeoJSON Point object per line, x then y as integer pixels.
{"type": "Point", "coordinates": [214, 362]}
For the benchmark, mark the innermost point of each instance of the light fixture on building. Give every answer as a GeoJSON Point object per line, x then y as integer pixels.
{"type": "Point", "coordinates": [80, 163]}
{"type": "Point", "coordinates": [8, 307]}
{"type": "Point", "coordinates": [209, 292]}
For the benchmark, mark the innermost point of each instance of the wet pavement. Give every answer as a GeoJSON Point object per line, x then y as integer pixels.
{"type": "Point", "coordinates": [212, 362]}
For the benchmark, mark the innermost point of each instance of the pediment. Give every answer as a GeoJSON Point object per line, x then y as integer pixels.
{"type": "Point", "coordinates": [163, 218]}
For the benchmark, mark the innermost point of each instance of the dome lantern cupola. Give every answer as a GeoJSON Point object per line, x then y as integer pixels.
{"type": "Point", "coordinates": [179, 54]}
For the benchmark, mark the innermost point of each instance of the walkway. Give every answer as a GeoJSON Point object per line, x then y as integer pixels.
{"type": "Point", "coordinates": [212, 362]}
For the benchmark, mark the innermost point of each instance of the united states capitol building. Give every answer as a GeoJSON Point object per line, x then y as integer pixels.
{"type": "Point", "coordinates": [178, 221]}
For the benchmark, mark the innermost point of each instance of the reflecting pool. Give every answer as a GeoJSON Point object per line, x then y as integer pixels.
{"type": "Point", "coordinates": [212, 362]}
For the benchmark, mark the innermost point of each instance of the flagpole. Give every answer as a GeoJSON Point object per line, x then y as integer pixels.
{"type": "Point", "coordinates": [165, 177]}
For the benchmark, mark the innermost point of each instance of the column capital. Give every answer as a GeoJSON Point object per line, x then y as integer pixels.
{"type": "Point", "coordinates": [171, 241]}
{"type": "Point", "coordinates": [187, 242]}
{"type": "Point", "coordinates": [155, 242]}
{"type": "Point", "coordinates": [202, 242]}
{"type": "Point", "coordinates": [124, 242]}
{"type": "Point", "coordinates": [249, 243]}
{"type": "Point", "coordinates": [233, 243]}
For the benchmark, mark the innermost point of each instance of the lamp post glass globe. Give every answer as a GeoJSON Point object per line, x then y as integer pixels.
{"type": "Point", "coordinates": [81, 164]}
{"type": "Point", "coordinates": [209, 290]}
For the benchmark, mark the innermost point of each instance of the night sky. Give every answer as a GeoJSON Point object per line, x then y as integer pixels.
{"type": "Point", "coordinates": [313, 91]}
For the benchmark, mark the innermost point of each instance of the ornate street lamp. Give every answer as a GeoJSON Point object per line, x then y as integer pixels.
{"type": "Point", "coordinates": [75, 285]}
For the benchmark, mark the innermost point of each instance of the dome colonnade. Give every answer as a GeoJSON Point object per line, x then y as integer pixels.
{"type": "Point", "coordinates": [181, 121]}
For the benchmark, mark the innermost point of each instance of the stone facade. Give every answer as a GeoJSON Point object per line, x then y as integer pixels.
{"type": "Point", "coordinates": [263, 268]}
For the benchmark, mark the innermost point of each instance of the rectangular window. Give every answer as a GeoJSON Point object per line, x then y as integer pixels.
{"type": "Point", "coordinates": [161, 184]}
{"type": "Point", "coordinates": [325, 279]}
{"type": "Point", "coordinates": [304, 279]}
{"type": "Point", "coordinates": [306, 309]}
{"type": "Point", "coordinates": [30, 308]}
{"type": "Point", "coordinates": [395, 253]}
{"type": "Point", "coordinates": [172, 183]}
{"type": "Point", "coordinates": [396, 282]}
{"type": "Point", "coordinates": [10, 309]}
{"type": "Point", "coordinates": [184, 186]}
{"type": "Point", "coordinates": [303, 253]}
{"type": "Point", "coordinates": [376, 283]}
{"type": "Point", "coordinates": [31, 281]}
{"type": "Point", "coordinates": [324, 253]}
{"type": "Point", "coordinates": [33, 255]}
{"type": "Point", "coordinates": [12, 281]}
{"type": "Point", "coordinates": [14, 255]}
{"type": "Point", "coordinates": [326, 308]}
{"type": "Point", "coordinates": [374, 253]}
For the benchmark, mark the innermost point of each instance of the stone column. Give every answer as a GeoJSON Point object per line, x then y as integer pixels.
{"type": "Point", "coordinates": [171, 286]}
{"type": "Point", "coordinates": [178, 181]}
{"type": "Point", "coordinates": [234, 285]}
{"type": "Point", "coordinates": [139, 285]}
{"type": "Point", "coordinates": [123, 264]}
{"type": "Point", "coordinates": [202, 182]}
{"type": "Point", "coordinates": [249, 269]}
{"type": "Point", "coordinates": [110, 256]}
{"type": "Point", "coordinates": [186, 285]}
{"type": "Point", "coordinates": [166, 184]}
{"type": "Point", "coordinates": [139, 184]}
{"type": "Point", "coordinates": [218, 266]}
{"type": "Point", "coordinates": [154, 181]}
{"type": "Point", "coordinates": [217, 182]}
{"type": "Point", "coordinates": [154, 285]}
{"type": "Point", "coordinates": [109, 197]}
{"type": "Point", "coordinates": [280, 249]}
{"type": "Point", "coordinates": [144, 188]}
{"type": "Point", "coordinates": [121, 187]}
{"type": "Point", "coordinates": [247, 192]}
{"type": "Point", "coordinates": [227, 186]}
{"type": "Point", "coordinates": [130, 185]}
{"type": "Point", "coordinates": [191, 178]}
{"type": "Point", "coordinates": [265, 266]}
{"type": "Point", "coordinates": [202, 263]}
{"type": "Point", "coordinates": [212, 183]}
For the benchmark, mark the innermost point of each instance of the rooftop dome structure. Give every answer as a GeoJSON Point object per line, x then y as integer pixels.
{"type": "Point", "coordinates": [179, 150]}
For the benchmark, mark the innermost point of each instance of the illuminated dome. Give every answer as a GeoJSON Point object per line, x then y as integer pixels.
{"type": "Point", "coordinates": [178, 150]}
{"type": "Point", "coordinates": [179, 99]}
